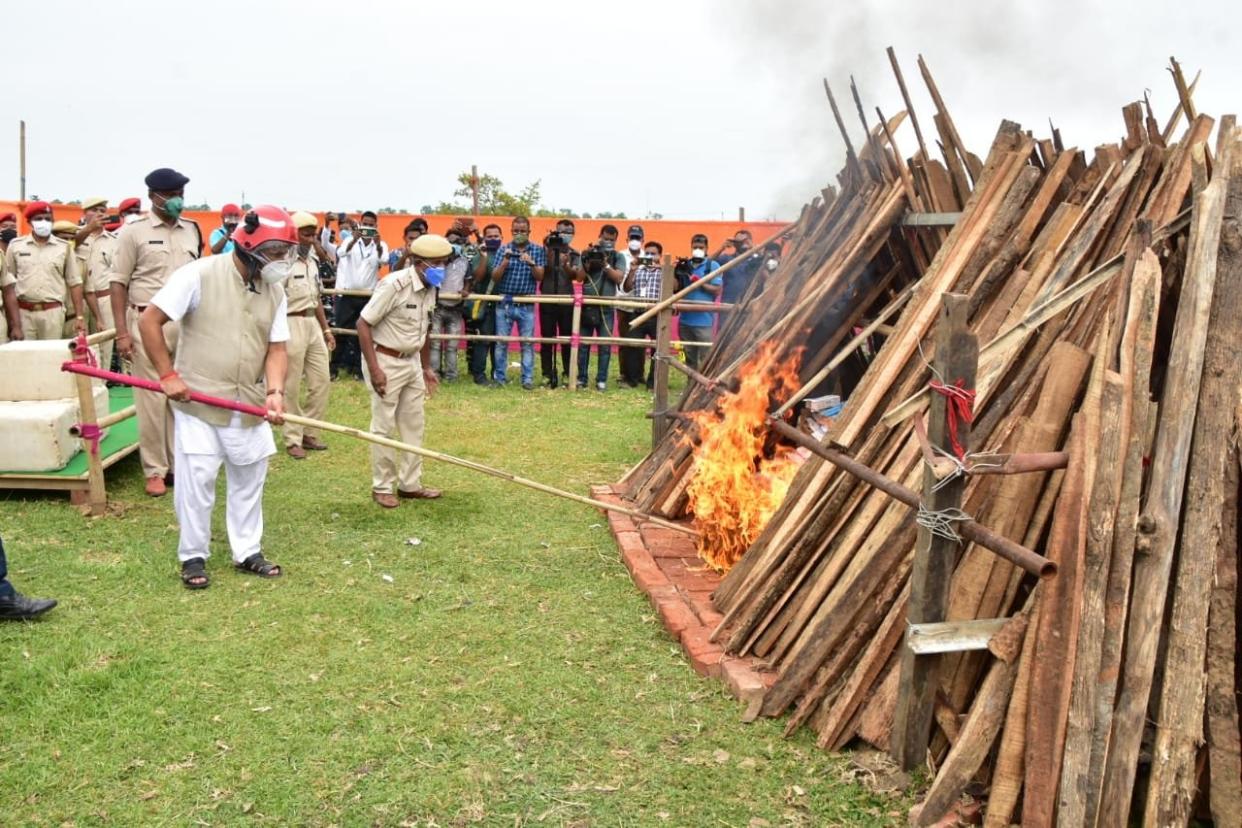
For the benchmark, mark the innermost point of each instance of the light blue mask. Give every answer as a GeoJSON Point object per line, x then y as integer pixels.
{"type": "Point", "coordinates": [434, 276]}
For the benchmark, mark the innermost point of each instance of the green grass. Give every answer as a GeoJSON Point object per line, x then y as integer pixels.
{"type": "Point", "coordinates": [508, 674]}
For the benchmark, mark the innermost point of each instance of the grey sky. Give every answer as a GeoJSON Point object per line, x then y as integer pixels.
{"type": "Point", "coordinates": [683, 107]}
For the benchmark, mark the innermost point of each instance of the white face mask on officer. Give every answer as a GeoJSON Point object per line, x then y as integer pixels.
{"type": "Point", "coordinates": [772, 263]}
{"type": "Point", "coordinates": [636, 245]}
{"type": "Point", "coordinates": [698, 253]}
{"type": "Point", "coordinates": [41, 228]}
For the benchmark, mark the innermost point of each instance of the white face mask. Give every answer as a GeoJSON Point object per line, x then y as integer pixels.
{"type": "Point", "coordinates": [698, 253]}
{"type": "Point", "coordinates": [772, 263]}
{"type": "Point", "coordinates": [41, 228]}
{"type": "Point", "coordinates": [130, 218]}
{"type": "Point", "coordinates": [636, 245]}
{"type": "Point", "coordinates": [275, 272]}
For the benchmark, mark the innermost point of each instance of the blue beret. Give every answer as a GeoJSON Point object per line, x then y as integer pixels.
{"type": "Point", "coordinates": [165, 179]}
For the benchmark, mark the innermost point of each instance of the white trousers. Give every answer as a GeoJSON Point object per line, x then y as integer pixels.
{"type": "Point", "coordinates": [200, 449]}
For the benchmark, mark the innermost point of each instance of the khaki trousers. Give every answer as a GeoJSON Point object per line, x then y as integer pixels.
{"type": "Point", "coordinates": [44, 324]}
{"type": "Point", "coordinates": [103, 323]}
{"type": "Point", "coordinates": [398, 415]}
{"type": "Point", "coordinates": [155, 425]}
{"type": "Point", "coordinates": [308, 357]}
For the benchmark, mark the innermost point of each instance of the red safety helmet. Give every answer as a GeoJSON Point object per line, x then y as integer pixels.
{"type": "Point", "coordinates": [265, 223]}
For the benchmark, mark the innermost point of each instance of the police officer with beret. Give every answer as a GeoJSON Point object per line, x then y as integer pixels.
{"type": "Point", "coordinates": [39, 270]}
{"type": "Point", "coordinates": [148, 250]}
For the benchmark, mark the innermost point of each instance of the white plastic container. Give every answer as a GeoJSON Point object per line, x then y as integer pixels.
{"type": "Point", "coordinates": [34, 435]}
{"type": "Point", "coordinates": [30, 370]}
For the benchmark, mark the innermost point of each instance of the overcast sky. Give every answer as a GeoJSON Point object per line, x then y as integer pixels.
{"type": "Point", "coordinates": [687, 108]}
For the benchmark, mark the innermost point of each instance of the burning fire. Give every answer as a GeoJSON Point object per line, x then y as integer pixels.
{"type": "Point", "coordinates": [738, 485]}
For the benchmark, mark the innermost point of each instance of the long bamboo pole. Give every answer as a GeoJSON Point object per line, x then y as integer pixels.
{"type": "Point", "coordinates": [553, 340]}
{"type": "Point", "coordinates": [256, 411]}
{"type": "Point", "coordinates": [557, 299]}
{"type": "Point", "coordinates": [668, 300]}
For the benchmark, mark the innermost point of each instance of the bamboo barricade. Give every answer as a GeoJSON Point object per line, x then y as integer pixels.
{"type": "Point", "coordinates": [1103, 437]}
{"type": "Point", "coordinates": [85, 371]}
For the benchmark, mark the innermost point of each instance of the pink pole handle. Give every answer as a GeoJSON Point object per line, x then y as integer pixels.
{"type": "Point", "coordinates": [152, 385]}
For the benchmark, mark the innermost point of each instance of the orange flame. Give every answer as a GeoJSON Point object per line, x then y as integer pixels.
{"type": "Point", "coordinates": [735, 488]}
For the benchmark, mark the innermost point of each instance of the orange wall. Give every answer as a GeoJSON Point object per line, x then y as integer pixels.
{"type": "Point", "coordinates": [674, 235]}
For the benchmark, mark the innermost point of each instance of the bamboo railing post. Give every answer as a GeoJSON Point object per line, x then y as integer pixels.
{"type": "Point", "coordinates": [935, 554]}
{"type": "Point", "coordinates": [96, 492]}
{"type": "Point", "coordinates": [664, 336]}
{"type": "Point", "coordinates": [575, 338]}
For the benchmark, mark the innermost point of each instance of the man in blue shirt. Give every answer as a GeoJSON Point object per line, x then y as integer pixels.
{"type": "Point", "coordinates": [222, 237]}
{"type": "Point", "coordinates": [696, 326]}
{"type": "Point", "coordinates": [518, 272]}
{"type": "Point", "coordinates": [738, 278]}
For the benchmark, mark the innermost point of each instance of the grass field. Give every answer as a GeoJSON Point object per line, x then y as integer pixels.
{"type": "Point", "coordinates": [502, 671]}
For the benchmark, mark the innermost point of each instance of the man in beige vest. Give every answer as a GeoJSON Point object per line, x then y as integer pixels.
{"type": "Point", "coordinates": [94, 247]}
{"type": "Point", "coordinates": [234, 327]}
{"type": "Point", "coordinates": [39, 271]}
{"type": "Point", "coordinates": [392, 333]}
{"type": "Point", "coordinates": [310, 340]}
{"type": "Point", "coordinates": [148, 250]}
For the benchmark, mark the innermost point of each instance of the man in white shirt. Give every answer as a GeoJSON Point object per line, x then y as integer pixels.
{"type": "Point", "coordinates": [359, 256]}
{"type": "Point", "coordinates": [233, 329]}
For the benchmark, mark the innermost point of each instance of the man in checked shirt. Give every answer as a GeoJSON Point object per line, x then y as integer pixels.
{"type": "Point", "coordinates": [642, 281]}
{"type": "Point", "coordinates": [518, 271]}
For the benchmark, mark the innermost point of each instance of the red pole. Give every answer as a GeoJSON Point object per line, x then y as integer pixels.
{"type": "Point", "coordinates": [151, 385]}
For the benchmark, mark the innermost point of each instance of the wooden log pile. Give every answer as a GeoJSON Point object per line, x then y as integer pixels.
{"type": "Point", "coordinates": [1104, 292]}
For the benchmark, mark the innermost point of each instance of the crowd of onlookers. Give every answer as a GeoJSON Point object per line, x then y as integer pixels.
{"type": "Point", "coordinates": [485, 263]}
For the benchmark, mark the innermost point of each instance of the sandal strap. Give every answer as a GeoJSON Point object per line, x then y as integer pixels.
{"type": "Point", "coordinates": [258, 564]}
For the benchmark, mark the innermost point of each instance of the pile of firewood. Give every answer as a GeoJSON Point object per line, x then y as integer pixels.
{"type": "Point", "coordinates": [1046, 614]}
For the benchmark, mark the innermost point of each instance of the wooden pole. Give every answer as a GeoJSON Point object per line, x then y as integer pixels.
{"type": "Point", "coordinates": [1159, 523]}
{"type": "Point", "coordinates": [22, 161]}
{"type": "Point", "coordinates": [98, 497]}
{"type": "Point", "coordinates": [957, 353]}
{"type": "Point", "coordinates": [474, 189]}
{"type": "Point", "coordinates": [664, 336]}
{"type": "Point", "coordinates": [106, 422]}
{"type": "Point", "coordinates": [575, 337]}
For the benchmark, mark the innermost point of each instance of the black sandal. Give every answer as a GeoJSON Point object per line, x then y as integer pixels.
{"type": "Point", "coordinates": [258, 565]}
{"type": "Point", "coordinates": [194, 574]}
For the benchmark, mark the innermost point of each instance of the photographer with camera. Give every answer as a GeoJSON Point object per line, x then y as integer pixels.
{"type": "Point", "coordinates": [447, 317]}
{"type": "Point", "coordinates": [518, 270]}
{"type": "Point", "coordinates": [642, 281]}
{"type": "Point", "coordinates": [399, 259]}
{"type": "Point", "coordinates": [737, 279]}
{"type": "Point", "coordinates": [480, 315]}
{"type": "Point", "coordinates": [557, 320]}
{"type": "Point", "coordinates": [358, 261]}
{"type": "Point", "coordinates": [602, 271]}
{"type": "Point", "coordinates": [221, 239]}
{"type": "Point", "coordinates": [696, 326]}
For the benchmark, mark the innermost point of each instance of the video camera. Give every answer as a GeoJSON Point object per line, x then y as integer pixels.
{"type": "Point", "coordinates": [554, 243]}
{"type": "Point", "coordinates": [683, 270]}
{"type": "Point", "coordinates": [593, 258]}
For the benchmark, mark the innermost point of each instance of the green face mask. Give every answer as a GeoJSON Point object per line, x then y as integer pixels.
{"type": "Point", "coordinates": [174, 206]}
{"type": "Point", "coordinates": [520, 238]}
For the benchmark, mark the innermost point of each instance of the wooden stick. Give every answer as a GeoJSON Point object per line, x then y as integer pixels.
{"type": "Point", "coordinates": [850, 158]}
{"type": "Point", "coordinates": [575, 338]}
{"type": "Point", "coordinates": [553, 340]}
{"type": "Point", "coordinates": [1008, 773]}
{"type": "Point", "coordinates": [1159, 523]}
{"type": "Point", "coordinates": [664, 332]}
{"type": "Point", "coordinates": [1172, 787]}
{"type": "Point", "coordinates": [110, 420]}
{"type": "Point", "coordinates": [97, 494]}
{"type": "Point", "coordinates": [957, 352]}
{"type": "Point", "coordinates": [349, 431]}
{"type": "Point", "coordinates": [558, 299]}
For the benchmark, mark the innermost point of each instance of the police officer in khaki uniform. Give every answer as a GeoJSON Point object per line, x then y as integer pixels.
{"type": "Point", "coordinates": [94, 247]}
{"type": "Point", "coordinates": [392, 333]}
{"type": "Point", "coordinates": [148, 250]}
{"type": "Point", "coordinates": [39, 269]}
{"type": "Point", "coordinates": [310, 340]}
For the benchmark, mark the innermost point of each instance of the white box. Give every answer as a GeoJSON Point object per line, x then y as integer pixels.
{"type": "Point", "coordinates": [30, 370]}
{"type": "Point", "coordinates": [34, 435]}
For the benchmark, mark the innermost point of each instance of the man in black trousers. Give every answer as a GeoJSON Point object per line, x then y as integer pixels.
{"type": "Point", "coordinates": [13, 605]}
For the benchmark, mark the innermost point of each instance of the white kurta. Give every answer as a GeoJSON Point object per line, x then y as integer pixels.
{"type": "Point", "coordinates": [201, 448]}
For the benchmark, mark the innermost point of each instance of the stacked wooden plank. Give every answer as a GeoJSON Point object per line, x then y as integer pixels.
{"type": "Point", "coordinates": [1106, 295]}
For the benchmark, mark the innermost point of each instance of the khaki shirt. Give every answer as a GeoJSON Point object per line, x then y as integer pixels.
{"type": "Point", "coordinates": [302, 286]}
{"type": "Point", "coordinates": [148, 251]}
{"type": "Point", "coordinates": [41, 272]}
{"type": "Point", "coordinates": [95, 256]}
{"type": "Point", "coordinates": [399, 311]}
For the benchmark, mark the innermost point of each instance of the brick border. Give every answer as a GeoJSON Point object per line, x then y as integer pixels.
{"type": "Point", "coordinates": [665, 566]}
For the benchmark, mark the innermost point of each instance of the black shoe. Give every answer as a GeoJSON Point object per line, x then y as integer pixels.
{"type": "Point", "coordinates": [21, 608]}
{"type": "Point", "coordinates": [480, 380]}
{"type": "Point", "coordinates": [552, 383]}
{"type": "Point", "coordinates": [528, 386]}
